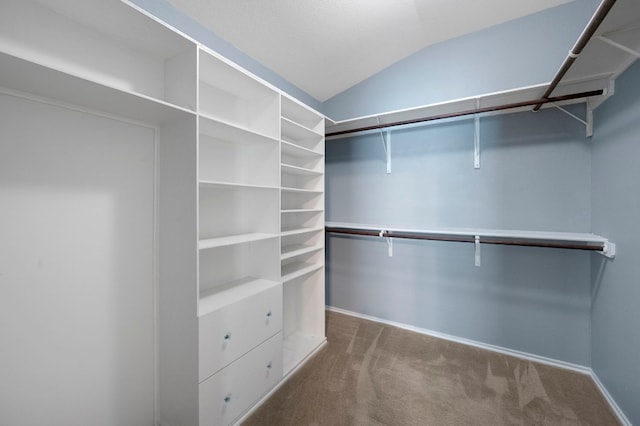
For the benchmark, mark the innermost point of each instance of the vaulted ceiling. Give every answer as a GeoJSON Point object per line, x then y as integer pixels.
{"type": "Point", "coordinates": [326, 46]}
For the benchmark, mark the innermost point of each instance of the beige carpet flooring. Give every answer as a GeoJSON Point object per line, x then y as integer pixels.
{"type": "Point", "coordinates": [374, 374]}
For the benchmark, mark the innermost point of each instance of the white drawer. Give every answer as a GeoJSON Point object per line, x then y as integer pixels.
{"type": "Point", "coordinates": [232, 391]}
{"type": "Point", "coordinates": [229, 332]}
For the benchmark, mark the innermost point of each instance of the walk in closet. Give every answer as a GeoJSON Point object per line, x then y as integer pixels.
{"type": "Point", "coordinates": [179, 209]}
{"type": "Point", "coordinates": [164, 211]}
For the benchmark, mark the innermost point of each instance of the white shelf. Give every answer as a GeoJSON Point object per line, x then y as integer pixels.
{"type": "Point", "coordinates": [568, 240]}
{"type": "Point", "coordinates": [299, 231]}
{"type": "Point", "coordinates": [595, 82]}
{"type": "Point", "coordinates": [302, 115]}
{"type": "Point", "coordinates": [482, 232]}
{"type": "Point", "coordinates": [103, 41]}
{"type": "Point", "coordinates": [302, 191]}
{"type": "Point", "coordinates": [23, 76]}
{"type": "Point", "coordinates": [230, 240]}
{"type": "Point", "coordinates": [295, 270]}
{"type": "Point", "coordinates": [289, 148]}
{"type": "Point", "coordinates": [297, 347]}
{"type": "Point", "coordinates": [229, 94]}
{"type": "Point", "coordinates": [296, 133]}
{"type": "Point", "coordinates": [232, 292]}
{"type": "Point", "coordinates": [302, 171]}
{"type": "Point", "coordinates": [294, 250]}
{"type": "Point", "coordinates": [231, 185]}
{"type": "Point", "coordinates": [231, 132]}
{"type": "Point", "coordinates": [302, 211]}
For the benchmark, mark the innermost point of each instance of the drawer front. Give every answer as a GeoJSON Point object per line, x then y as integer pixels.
{"type": "Point", "coordinates": [232, 391]}
{"type": "Point", "coordinates": [230, 332]}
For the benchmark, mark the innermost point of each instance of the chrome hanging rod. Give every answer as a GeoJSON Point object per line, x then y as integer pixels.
{"type": "Point", "coordinates": [482, 110]}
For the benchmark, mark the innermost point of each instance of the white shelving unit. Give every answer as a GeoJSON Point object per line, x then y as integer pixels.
{"type": "Point", "coordinates": [302, 231]}
{"type": "Point", "coordinates": [184, 169]}
{"type": "Point", "coordinates": [240, 293]}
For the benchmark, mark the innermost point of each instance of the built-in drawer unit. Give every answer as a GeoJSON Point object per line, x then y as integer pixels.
{"type": "Point", "coordinates": [229, 332]}
{"type": "Point", "coordinates": [230, 392]}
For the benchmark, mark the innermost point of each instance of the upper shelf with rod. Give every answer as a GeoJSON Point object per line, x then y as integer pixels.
{"type": "Point", "coordinates": [608, 46]}
{"type": "Point", "coordinates": [562, 240]}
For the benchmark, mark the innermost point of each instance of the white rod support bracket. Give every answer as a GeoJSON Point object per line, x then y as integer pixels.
{"type": "Point", "coordinates": [588, 122]}
{"type": "Point", "coordinates": [477, 244]}
{"type": "Point", "coordinates": [386, 141]}
{"type": "Point", "coordinates": [619, 46]}
{"type": "Point", "coordinates": [476, 139]}
{"type": "Point", "coordinates": [609, 250]}
{"type": "Point", "coordinates": [383, 234]}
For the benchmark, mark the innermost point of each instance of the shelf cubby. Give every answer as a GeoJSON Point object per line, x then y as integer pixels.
{"type": "Point", "coordinates": [230, 240]}
{"type": "Point", "coordinates": [23, 76]}
{"type": "Point", "coordinates": [308, 163]}
{"type": "Point", "coordinates": [228, 153]}
{"type": "Point", "coordinates": [303, 116]}
{"type": "Point", "coordinates": [214, 297]}
{"type": "Point", "coordinates": [290, 149]}
{"type": "Point", "coordinates": [296, 134]}
{"type": "Point", "coordinates": [295, 179]}
{"type": "Point", "coordinates": [221, 268]}
{"type": "Point", "coordinates": [294, 200]}
{"type": "Point", "coordinates": [138, 55]}
{"type": "Point", "coordinates": [301, 220]}
{"type": "Point", "coordinates": [227, 210]}
{"type": "Point", "coordinates": [299, 171]}
{"type": "Point", "coordinates": [229, 95]}
{"type": "Point", "coordinates": [303, 321]}
{"type": "Point", "coordinates": [294, 250]}
{"type": "Point", "coordinates": [301, 265]}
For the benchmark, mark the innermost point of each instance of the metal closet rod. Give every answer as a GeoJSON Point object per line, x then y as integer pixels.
{"type": "Point", "coordinates": [472, 112]}
{"type": "Point", "coordinates": [587, 34]}
{"type": "Point", "coordinates": [466, 239]}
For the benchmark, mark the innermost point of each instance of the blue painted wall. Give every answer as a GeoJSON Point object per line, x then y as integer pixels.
{"type": "Point", "coordinates": [616, 210]}
{"type": "Point", "coordinates": [535, 174]}
{"type": "Point", "coordinates": [519, 53]}
{"type": "Point", "coordinates": [166, 12]}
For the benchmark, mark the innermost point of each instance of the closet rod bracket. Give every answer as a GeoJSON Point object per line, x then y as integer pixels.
{"type": "Point", "coordinates": [385, 234]}
{"type": "Point", "coordinates": [588, 121]}
{"type": "Point", "coordinates": [386, 144]}
{"type": "Point", "coordinates": [608, 250]}
{"type": "Point", "coordinates": [619, 46]}
{"type": "Point", "coordinates": [476, 138]}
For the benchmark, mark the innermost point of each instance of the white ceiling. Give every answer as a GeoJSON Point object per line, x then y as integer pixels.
{"type": "Point", "coordinates": [326, 46]}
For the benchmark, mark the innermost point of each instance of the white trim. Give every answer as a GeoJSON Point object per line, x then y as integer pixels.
{"type": "Point", "coordinates": [506, 351]}
{"type": "Point", "coordinates": [493, 348]}
{"type": "Point", "coordinates": [612, 403]}
{"type": "Point", "coordinates": [286, 376]}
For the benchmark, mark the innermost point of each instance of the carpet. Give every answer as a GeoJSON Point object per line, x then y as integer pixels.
{"type": "Point", "coordinates": [375, 374]}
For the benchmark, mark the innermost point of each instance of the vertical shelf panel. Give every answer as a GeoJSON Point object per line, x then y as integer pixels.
{"type": "Point", "coordinates": [178, 273]}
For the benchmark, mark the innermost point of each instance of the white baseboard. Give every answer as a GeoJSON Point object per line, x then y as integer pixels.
{"type": "Point", "coordinates": [612, 403]}
{"type": "Point", "coordinates": [493, 348]}
{"type": "Point", "coordinates": [506, 351]}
